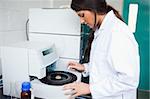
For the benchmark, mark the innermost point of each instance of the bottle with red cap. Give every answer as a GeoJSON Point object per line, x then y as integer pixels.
{"type": "Point", "coordinates": [26, 92]}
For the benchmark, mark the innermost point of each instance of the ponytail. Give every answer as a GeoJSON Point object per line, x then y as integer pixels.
{"type": "Point", "coordinates": [109, 8]}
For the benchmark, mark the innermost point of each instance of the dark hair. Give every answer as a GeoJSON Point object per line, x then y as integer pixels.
{"type": "Point", "coordinates": [96, 6]}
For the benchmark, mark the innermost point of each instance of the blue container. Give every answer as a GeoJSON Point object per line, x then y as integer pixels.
{"type": "Point", "coordinates": [26, 86]}
{"type": "Point", "coordinates": [26, 93]}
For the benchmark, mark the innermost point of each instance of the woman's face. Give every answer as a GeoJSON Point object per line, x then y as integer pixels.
{"type": "Point", "coordinates": [87, 17]}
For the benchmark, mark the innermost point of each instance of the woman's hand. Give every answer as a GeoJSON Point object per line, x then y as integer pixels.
{"type": "Point", "coordinates": [78, 88]}
{"type": "Point", "coordinates": [76, 66]}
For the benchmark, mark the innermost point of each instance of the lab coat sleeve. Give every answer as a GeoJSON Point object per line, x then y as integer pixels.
{"type": "Point", "coordinates": [86, 71]}
{"type": "Point", "coordinates": [125, 63]}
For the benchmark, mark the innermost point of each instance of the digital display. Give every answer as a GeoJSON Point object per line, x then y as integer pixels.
{"type": "Point", "coordinates": [48, 51]}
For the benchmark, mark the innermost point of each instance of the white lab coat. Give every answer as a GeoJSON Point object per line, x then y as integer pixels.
{"type": "Point", "coordinates": [114, 61]}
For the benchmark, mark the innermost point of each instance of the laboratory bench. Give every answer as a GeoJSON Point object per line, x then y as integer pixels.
{"type": "Point", "coordinates": [141, 95]}
{"type": "Point", "coordinates": [8, 97]}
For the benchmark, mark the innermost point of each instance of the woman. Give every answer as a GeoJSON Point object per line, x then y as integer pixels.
{"type": "Point", "coordinates": [113, 64]}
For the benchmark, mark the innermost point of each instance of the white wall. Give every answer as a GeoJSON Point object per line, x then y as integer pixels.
{"type": "Point", "coordinates": [117, 4]}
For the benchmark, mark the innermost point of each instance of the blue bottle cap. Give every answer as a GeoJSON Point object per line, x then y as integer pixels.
{"type": "Point", "coordinates": [26, 86]}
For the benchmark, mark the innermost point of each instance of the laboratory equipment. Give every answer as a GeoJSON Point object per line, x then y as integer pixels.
{"type": "Point", "coordinates": [61, 27]}
{"type": "Point", "coordinates": [54, 39]}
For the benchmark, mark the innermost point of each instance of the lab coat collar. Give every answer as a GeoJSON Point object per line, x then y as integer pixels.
{"type": "Point", "coordinates": [109, 18]}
